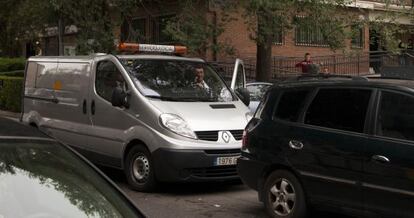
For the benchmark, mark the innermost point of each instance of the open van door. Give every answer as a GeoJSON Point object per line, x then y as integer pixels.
{"type": "Point", "coordinates": [239, 76]}
{"type": "Point", "coordinates": [238, 82]}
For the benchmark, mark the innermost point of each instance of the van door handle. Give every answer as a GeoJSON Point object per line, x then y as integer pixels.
{"type": "Point", "coordinates": [295, 144]}
{"type": "Point", "coordinates": [380, 159]}
{"type": "Point", "coordinates": [84, 110]}
{"type": "Point", "coordinates": [93, 107]}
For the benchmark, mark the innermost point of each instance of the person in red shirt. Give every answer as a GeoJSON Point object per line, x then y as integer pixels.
{"type": "Point", "coordinates": [304, 64]}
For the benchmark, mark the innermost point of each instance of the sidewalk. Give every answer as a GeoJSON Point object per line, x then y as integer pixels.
{"type": "Point", "coordinates": [9, 114]}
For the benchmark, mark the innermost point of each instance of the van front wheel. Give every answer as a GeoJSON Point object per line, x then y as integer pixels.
{"type": "Point", "coordinates": [139, 169]}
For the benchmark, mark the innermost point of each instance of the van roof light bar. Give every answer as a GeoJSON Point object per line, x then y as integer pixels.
{"type": "Point", "coordinates": [136, 48]}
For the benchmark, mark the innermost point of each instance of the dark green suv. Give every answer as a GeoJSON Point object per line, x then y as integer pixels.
{"type": "Point", "coordinates": [339, 143]}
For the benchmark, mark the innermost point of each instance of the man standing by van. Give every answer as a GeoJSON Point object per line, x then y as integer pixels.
{"type": "Point", "coordinates": [305, 63]}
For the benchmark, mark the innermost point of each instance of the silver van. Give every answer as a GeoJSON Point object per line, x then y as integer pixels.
{"type": "Point", "coordinates": [157, 117]}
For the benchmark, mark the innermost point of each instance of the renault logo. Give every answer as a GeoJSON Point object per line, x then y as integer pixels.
{"type": "Point", "coordinates": [225, 136]}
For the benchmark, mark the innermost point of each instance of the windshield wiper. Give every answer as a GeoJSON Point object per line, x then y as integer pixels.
{"type": "Point", "coordinates": [198, 99]}
{"type": "Point", "coordinates": [184, 99]}
{"type": "Point", "coordinates": [164, 98]}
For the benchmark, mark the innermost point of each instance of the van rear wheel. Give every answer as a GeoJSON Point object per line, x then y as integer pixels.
{"type": "Point", "coordinates": [139, 170]}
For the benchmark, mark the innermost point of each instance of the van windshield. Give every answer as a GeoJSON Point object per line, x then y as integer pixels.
{"type": "Point", "coordinates": [177, 80]}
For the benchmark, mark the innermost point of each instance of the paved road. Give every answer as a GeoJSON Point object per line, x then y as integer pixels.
{"type": "Point", "coordinates": [198, 200]}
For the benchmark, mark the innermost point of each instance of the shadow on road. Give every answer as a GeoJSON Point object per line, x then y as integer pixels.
{"type": "Point", "coordinates": [182, 188]}
{"type": "Point", "coordinates": [190, 192]}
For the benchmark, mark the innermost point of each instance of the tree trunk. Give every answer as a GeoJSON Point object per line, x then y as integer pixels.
{"type": "Point", "coordinates": [264, 61]}
{"type": "Point", "coordinates": [61, 32]}
{"type": "Point", "coordinates": [264, 51]}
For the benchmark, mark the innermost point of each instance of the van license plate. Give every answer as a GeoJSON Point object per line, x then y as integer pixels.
{"type": "Point", "coordinates": [223, 161]}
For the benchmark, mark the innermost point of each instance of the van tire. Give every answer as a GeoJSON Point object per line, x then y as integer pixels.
{"type": "Point", "coordinates": [284, 190]}
{"type": "Point", "coordinates": [139, 169]}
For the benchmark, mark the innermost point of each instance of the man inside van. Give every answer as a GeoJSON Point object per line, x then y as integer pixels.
{"type": "Point", "coordinates": [199, 78]}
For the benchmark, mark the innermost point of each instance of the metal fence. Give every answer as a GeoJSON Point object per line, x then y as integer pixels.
{"type": "Point", "coordinates": [357, 64]}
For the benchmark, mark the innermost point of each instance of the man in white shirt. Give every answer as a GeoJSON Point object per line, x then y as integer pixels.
{"type": "Point", "coordinates": [199, 78]}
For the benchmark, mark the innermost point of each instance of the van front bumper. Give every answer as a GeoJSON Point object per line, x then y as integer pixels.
{"type": "Point", "coordinates": [190, 165]}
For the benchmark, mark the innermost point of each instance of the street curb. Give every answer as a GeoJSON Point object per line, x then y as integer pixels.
{"type": "Point", "coordinates": [9, 114]}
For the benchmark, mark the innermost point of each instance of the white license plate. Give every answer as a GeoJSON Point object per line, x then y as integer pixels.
{"type": "Point", "coordinates": [223, 161]}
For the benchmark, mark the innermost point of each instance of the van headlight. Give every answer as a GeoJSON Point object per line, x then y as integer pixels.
{"type": "Point", "coordinates": [177, 125]}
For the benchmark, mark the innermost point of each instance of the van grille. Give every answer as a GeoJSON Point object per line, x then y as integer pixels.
{"type": "Point", "coordinates": [213, 135]}
{"type": "Point", "coordinates": [237, 134]}
{"type": "Point", "coordinates": [236, 151]}
{"type": "Point", "coordinates": [207, 135]}
{"type": "Point", "coordinates": [217, 171]}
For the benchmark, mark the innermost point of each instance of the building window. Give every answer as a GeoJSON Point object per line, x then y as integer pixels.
{"type": "Point", "coordinates": [308, 34]}
{"type": "Point", "coordinates": [358, 36]}
{"type": "Point", "coordinates": [278, 38]}
{"type": "Point", "coordinates": [159, 25]}
{"type": "Point", "coordinates": [134, 30]}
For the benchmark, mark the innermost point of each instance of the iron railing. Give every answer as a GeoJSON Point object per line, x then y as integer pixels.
{"type": "Point", "coordinates": [355, 65]}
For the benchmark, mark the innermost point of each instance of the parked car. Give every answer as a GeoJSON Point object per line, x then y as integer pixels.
{"type": "Point", "coordinates": [257, 91]}
{"type": "Point", "coordinates": [336, 143]}
{"type": "Point", "coordinates": [40, 177]}
{"type": "Point", "coordinates": [157, 117]}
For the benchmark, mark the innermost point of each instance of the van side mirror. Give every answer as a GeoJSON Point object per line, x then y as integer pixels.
{"type": "Point", "coordinates": [244, 95]}
{"type": "Point", "coordinates": [119, 98]}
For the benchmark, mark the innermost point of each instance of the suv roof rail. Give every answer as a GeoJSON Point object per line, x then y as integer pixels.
{"type": "Point", "coordinates": [389, 77]}
{"type": "Point", "coordinates": [328, 76]}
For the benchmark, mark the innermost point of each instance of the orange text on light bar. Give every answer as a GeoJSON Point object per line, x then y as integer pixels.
{"type": "Point", "coordinates": [135, 48]}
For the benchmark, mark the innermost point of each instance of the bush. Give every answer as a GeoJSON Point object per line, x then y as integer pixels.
{"type": "Point", "coordinates": [18, 73]}
{"type": "Point", "coordinates": [11, 93]}
{"type": "Point", "coordinates": [12, 64]}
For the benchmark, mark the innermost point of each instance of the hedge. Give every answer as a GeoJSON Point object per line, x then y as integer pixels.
{"type": "Point", "coordinates": [12, 64]}
{"type": "Point", "coordinates": [11, 93]}
{"type": "Point", "coordinates": [17, 73]}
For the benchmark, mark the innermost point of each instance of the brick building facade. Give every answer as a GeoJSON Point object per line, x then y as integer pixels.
{"type": "Point", "coordinates": [147, 27]}
{"type": "Point", "coordinates": [147, 23]}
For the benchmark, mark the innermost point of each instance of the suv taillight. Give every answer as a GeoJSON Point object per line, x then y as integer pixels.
{"type": "Point", "coordinates": [244, 141]}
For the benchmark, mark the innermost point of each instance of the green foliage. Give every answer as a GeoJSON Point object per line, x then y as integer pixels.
{"type": "Point", "coordinates": [8, 30]}
{"type": "Point", "coordinates": [31, 19]}
{"type": "Point", "coordinates": [11, 89]}
{"type": "Point", "coordinates": [199, 33]}
{"type": "Point", "coordinates": [387, 29]}
{"type": "Point", "coordinates": [95, 22]}
{"type": "Point", "coordinates": [267, 17]}
{"type": "Point", "coordinates": [17, 73]}
{"type": "Point", "coordinates": [12, 64]}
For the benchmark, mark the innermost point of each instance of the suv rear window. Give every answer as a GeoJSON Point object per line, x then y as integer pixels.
{"type": "Point", "coordinates": [290, 105]}
{"type": "Point", "coordinates": [343, 109]}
